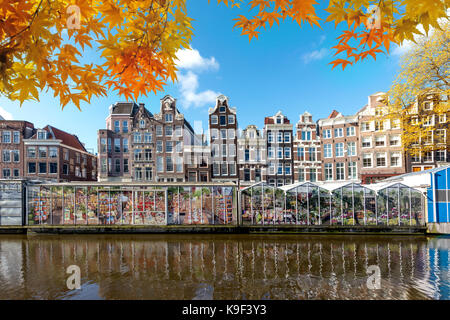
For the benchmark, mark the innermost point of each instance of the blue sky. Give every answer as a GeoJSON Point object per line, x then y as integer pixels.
{"type": "Point", "coordinates": [286, 69]}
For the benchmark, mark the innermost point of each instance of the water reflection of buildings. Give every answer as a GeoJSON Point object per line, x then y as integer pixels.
{"type": "Point", "coordinates": [225, 268]}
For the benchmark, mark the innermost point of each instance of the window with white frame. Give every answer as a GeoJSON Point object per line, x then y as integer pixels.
{"type": "Point", "coordinates": [142, 124]}
{"type": "Point", "coordinates": [223, 134]}
{"type": "Point", "coordinates": [231, 150]}
{"type": "Point", "coordinates": [306, 135]}
{"type": "Point", "coordinates": [351, 149]}
{"type": "Point", "coordinates": [394, 140]}
{"type": "Point", "coordinates": [428, 156]}
{"type": "Point", "coordinates": [231, 119]}
{"type": "Point", "coordinates": [232, 169]}
{"type": "Point", "coordinates": [279, 153]}
{"type": "Point", "coordinates": [214, 119]}
{"type": "Point", "coordinates": [395, 159]}
{"type": "Point", "coordinates": [380, 141]}
{"type": "Point", "coordinates": [159, 146]}
{"type": "Point", "coordinates": [287, 153]}
{"type": "Point", "coordinates": [327, 150]}
{"type": "Point", "coordinates": [271, 168]}
{"type": "Point", "coordinates": [441, 135]}
{"type": "Point", "coordinates": [169, 146]}
{"type": "Point", "coordinates": [6, 156]}
{"type": "Point", "coordinates": [328, 171]}
{"type": "Point", "coordinates": [169, 131]}
{"type": "Point", "coordinates": [224, 150]}
{"type": "Point", "coordinates": [351, 131]}
{"type": "Point", "coordinates": [169, 117]}
{"type": "Point", "coordinates": [224, 169]}
{"type": "Point", "coordinates": [381, 159]}
{"type": "Point", "coordinates": [339, 149]}
{"type": "Point", "coordinates": [428, 137]}
{"type": "Point", "coordinates": [312, 154]}
{"type": "Point", "coordinates": [352, 174]}
{"type": "Point", "coordinates": [231, 134]}
{"type": "Point", "coordinates": [6, 136]}
{"type": "Point", "coordinates": [214, 134]}
{"type": "Point", "coordinates": [340, 171]}
{"type": "Point", "coordinates": [178, 131]}
{"type": "Point", "coordinates": [160, 164]}
{"type": "Point", "coordinates": [442, 118]}
{"type": "Point", "coordinates": [327, 134]}
{"type": "Point", "coordinates": [366, 142]}
{"type": "Point", "coordinates": [367, 160]}
{"type": "Point", "coordinates": [379, 125]}
{"type": "Point", "coordinates": [147, 137]}
{"type": "Point", "coordinates": [312, 174]}
{"type": "Point", "coordinates": [279, 137]}
{"type": "Point", "coordinates": [428, 121]}
{"type": "Point", "coordinates": [338, 132]}
{"type": "Point", "coordinates": [365, 126]}
{"type": "Point", "coordinates": [137, 138]}
{"type": "Point", "coordinates": [287, 137]}
{"type": "Point", "coordinates": [301, 174]}
{"type": "Point", "coordinates": [270, 137]}
{"type": "Point", "coordinates": [16, 137]}
{"type": "Point", "coordinates": [287, 169]}
{"type": "Point", "coordinates": [159, 131]}
{"type": "Point", "coordinates": [441, 155]}
{"type": "Point", "coordinates": [279, 168]}
{"type": "Point", "coordinates": [270, 152]}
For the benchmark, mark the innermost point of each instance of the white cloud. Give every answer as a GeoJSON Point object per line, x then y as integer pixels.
{"type": "Point", "coordinates": [190, 63]}
{"type": "Point", "coordinates": [188, 87]}
{"type": "Point", "coordinates": [5, 114]}
{"type": "Point", "coordinates": [190, 59]}
{"type": "Point", "coordinates": [315, 55]}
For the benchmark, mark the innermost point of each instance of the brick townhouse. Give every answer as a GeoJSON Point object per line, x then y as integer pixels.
{"type": "Point", "coordinates": [425, 114]}
{"type": "Point", "coordinates": [252, 154]}
{"type": "Point", "coordinates": [307, 151]}
{"type": "Point", "coordinates": [339, 147]}
{"type": "Point", "coordinates": [140, 146]}
{"type": "Point", "coordinates": [279, 134]}
{"type": "Point", "coordinates": [223, 140]}
{"type": "Point", "coordinates": [381, 152]}
{"type": "Point", "coordinates": [46, 154]}
{"type": "Point", "coordinates": [12, 134]}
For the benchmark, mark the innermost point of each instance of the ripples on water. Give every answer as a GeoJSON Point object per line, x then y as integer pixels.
{"type": "Point", "coordinates": [224, 267]}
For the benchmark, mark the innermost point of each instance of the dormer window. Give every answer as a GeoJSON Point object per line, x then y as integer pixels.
{"type": "Point", "coordinates": [278, 120]}
{"type": "Point", "coordinates": [169, 117]}
{"type": "Point", "coordinates": [42, 135]}
{"type": "Point", "coordinates": [222, 109]}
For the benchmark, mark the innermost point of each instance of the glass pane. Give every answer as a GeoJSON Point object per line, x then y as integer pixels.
{"type": "Point", "coordinates": [207, 205]}
{"type": "Point", "coordinates": [358, 198]}
{"type": "Point", "coordinates": [336, 207]}
{"type": "Point", "coordinates": [127, 207]}
{"type": "Point", "coordinates": [68, 203]}
{"type": "Point", "coordinates": [257, 205]}
{"type": "Point", "coordinates": [80, 205]}
{"type": "Point", "coordinates": [393, 208]}
{"type": "Point", "coordinates": [173, 210]}
{"type": "Point", "coordinates": [268, 205]}
{"type": "Point", "coordinates": [404, 205]}
{"type": "Point", "coordinates": [325, 201]}
{"type": "Point", "coordinates": [417, 206]}
{"type": "Point", "coordinates": [92, 206]}
{"type": "Point", "coordinates": [302, 206]}
{"type": "Point", "coordinates": [291, 207]}
{"type": "Point", "coordinates": [313, 195]}
{"type": "Point", "coordinates": [382, 207]}
{"type": "Point", "coordinates": [103, 206]}
{"type": "Point", "coordinates": [115, 205]}
{"type": "Point", "coordinates": [57, 205]}
{"type": "Point", "coordinates": [279, 207]}
{"type": "Point", "coordinates": [139, 210]}
{"type": "Point", "coordinates": [347, 205]}
{"type": "Point", "coordinates": [185, 206]}
{"type": "Point", "coordinates": [371, 218]}
{"type": "Point", "coordinates": [247, 207]}
{"type": "Point", "coordinates": [196, 203]}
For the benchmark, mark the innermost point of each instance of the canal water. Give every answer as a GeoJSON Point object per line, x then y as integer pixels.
{"type": "Point", "coordinates": [225, 267]}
